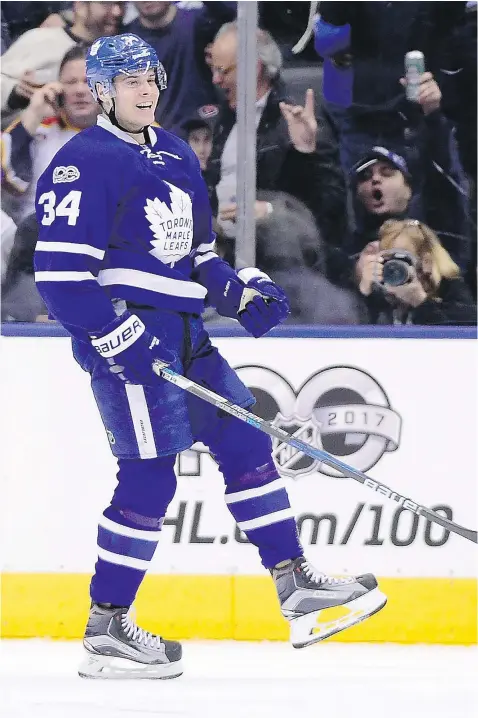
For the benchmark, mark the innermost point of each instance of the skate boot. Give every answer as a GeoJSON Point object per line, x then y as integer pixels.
{"type": "Point", "coordinates": [117, 648]}
{"type": "Point", "coordinates": [317, 605]}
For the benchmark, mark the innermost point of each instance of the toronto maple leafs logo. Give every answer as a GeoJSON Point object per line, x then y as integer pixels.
{"type": "Point", "coordinates": [171, 226]}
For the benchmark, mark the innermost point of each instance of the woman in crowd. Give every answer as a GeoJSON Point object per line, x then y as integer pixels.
{"type": "Point", "coordinates": [426, 287]}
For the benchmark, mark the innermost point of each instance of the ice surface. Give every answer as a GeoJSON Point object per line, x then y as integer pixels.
{"type": "Point", "coordinates": [249, 680]}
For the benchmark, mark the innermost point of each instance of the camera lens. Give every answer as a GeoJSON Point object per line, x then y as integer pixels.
{"type": "Point", "coordinates": [395, 273]}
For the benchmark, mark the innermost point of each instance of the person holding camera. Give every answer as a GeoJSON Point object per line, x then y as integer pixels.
{"type": "Point", "coordinates": [56, 112]}
{"type": "Point", "coordinates": [408, 277]}
{"type": "Point", "coordinates": [383, 188]}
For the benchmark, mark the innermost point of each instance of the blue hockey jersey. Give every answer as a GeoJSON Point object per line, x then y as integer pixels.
{"type": "Point", "coordinates": [119, 220]}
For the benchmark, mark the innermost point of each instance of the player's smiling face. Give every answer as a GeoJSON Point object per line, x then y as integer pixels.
{"type": "Point", "coordinates": [136, 99]}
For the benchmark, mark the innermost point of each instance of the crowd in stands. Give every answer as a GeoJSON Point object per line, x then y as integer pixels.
{"type": "Point", "coordinates": [365, 201]}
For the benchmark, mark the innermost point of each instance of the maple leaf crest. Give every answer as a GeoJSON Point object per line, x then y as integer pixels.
{"type": "Point", "coordinates": [164, 222]}
{"type": "Point", "coordinates": [180, 201]}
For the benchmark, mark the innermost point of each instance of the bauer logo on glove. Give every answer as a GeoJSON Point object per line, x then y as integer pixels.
{"type": "Point", "coordinates": [121, 338]}
{"type": "Point", "coordinates": [130, 350]}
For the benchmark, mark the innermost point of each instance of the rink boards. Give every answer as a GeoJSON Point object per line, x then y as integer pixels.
{"type": "Point", "coordinates": [402, 409]}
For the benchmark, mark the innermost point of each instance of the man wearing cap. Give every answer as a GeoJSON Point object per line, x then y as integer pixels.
{"type": "Point", "coordinates": [383, 188]}
{"type": "Point", "coordinates": [197, 131]}
{"type": "Point", "coordinates": [382, 183]}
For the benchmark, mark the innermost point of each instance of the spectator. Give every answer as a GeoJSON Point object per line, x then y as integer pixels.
{"type": "Point", "coordinates": [34, 59]}
{"type": "Point", "coordinates": [56, 112]}
{"type": "Point", "coordinates": [287, 240]}
{"type": "Point", "coordinates": [382, 185]}
{"type": "Point", "coordinates": [290, 156]}
{"type": "Point", "coordinates": [8, 228]}
{"type": "Point", "coordinates": [180, 37]}
{"type": "Point", "coordinates": [21, 301]}
{"type": "Point", "coordinates": [58, 19]}
{"type": "Point", "coordinates": [23, 16]}
{"type": "Point", "coordinates": [383, 189]}
{"type": "Point", "coordinates": [364, 45]}
{"type": "Point", "coordinates": [197, 132]}
{"type": "Point", "coordinates": [434, 292]}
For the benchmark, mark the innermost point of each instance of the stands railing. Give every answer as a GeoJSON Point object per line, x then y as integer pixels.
{"type": "Point", "coordinates": [21, 329]}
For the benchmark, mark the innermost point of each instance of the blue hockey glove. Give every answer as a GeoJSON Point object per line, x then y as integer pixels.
{"type": "Point", "coordinates": [263, 305]}
{"type": "Point", "coordinates": [130, 350]}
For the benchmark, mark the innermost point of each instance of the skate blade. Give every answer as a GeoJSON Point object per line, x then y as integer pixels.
{"type": "Point", "coordinates": [112, 667]}
{"type": "Point", "coordinates": [308, 629]}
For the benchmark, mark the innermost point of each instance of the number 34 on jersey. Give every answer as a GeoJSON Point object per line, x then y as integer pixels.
{"type": "Point", "coordinates": [69, 207]}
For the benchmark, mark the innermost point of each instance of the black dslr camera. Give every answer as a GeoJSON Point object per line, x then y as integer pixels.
{"type": "Point", "coordinates": [396, 267]}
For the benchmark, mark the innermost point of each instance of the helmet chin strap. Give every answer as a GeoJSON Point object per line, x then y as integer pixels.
{"type": "Point", "coordinates": [114, 121]}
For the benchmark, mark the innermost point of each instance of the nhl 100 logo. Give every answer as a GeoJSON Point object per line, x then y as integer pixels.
{"type": "Point", "coordinates": [340, 409]}
{"type": "Point", "coordinates": [346, 412]}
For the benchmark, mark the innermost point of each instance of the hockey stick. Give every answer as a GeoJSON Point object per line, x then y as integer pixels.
{"type": "Point", "coordinates": [268, 428]}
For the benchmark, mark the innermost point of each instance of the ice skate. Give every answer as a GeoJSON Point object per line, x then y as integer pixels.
{"type": "Point", "coordinates": [317, 605]}
{"type": "Point", "coordinates": [117, 648]}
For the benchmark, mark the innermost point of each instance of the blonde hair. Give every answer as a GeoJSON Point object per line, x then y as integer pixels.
{"type": "Point", "coordinates": [424, 241]}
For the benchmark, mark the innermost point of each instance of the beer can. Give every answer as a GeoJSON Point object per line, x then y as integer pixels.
{"type": "Point", "coordinates": [414, 68]}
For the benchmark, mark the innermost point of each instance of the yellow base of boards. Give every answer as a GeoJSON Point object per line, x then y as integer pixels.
{"type": "Point", "coordinates": [419, 610]}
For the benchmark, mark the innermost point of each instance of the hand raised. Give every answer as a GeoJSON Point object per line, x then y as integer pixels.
{"type": "Point", "coordinates": [301, 123]}
{"type": "Point", "coordinates": [429, 93]}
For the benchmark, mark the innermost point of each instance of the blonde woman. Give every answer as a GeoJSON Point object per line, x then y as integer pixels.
{"type": "Point", "coordinates": [431, 290]}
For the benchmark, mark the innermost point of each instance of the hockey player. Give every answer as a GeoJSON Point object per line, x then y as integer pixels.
{"type": "Point", "coordinates": [125, 261]}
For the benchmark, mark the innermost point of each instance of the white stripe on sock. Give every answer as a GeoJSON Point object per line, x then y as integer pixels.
{"type": "Point", "coordinates": [266, 520]}
{"type": "Point", "coordinates": [121, 560]}
{"type": "Point", "coordinates": [254, 493]}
